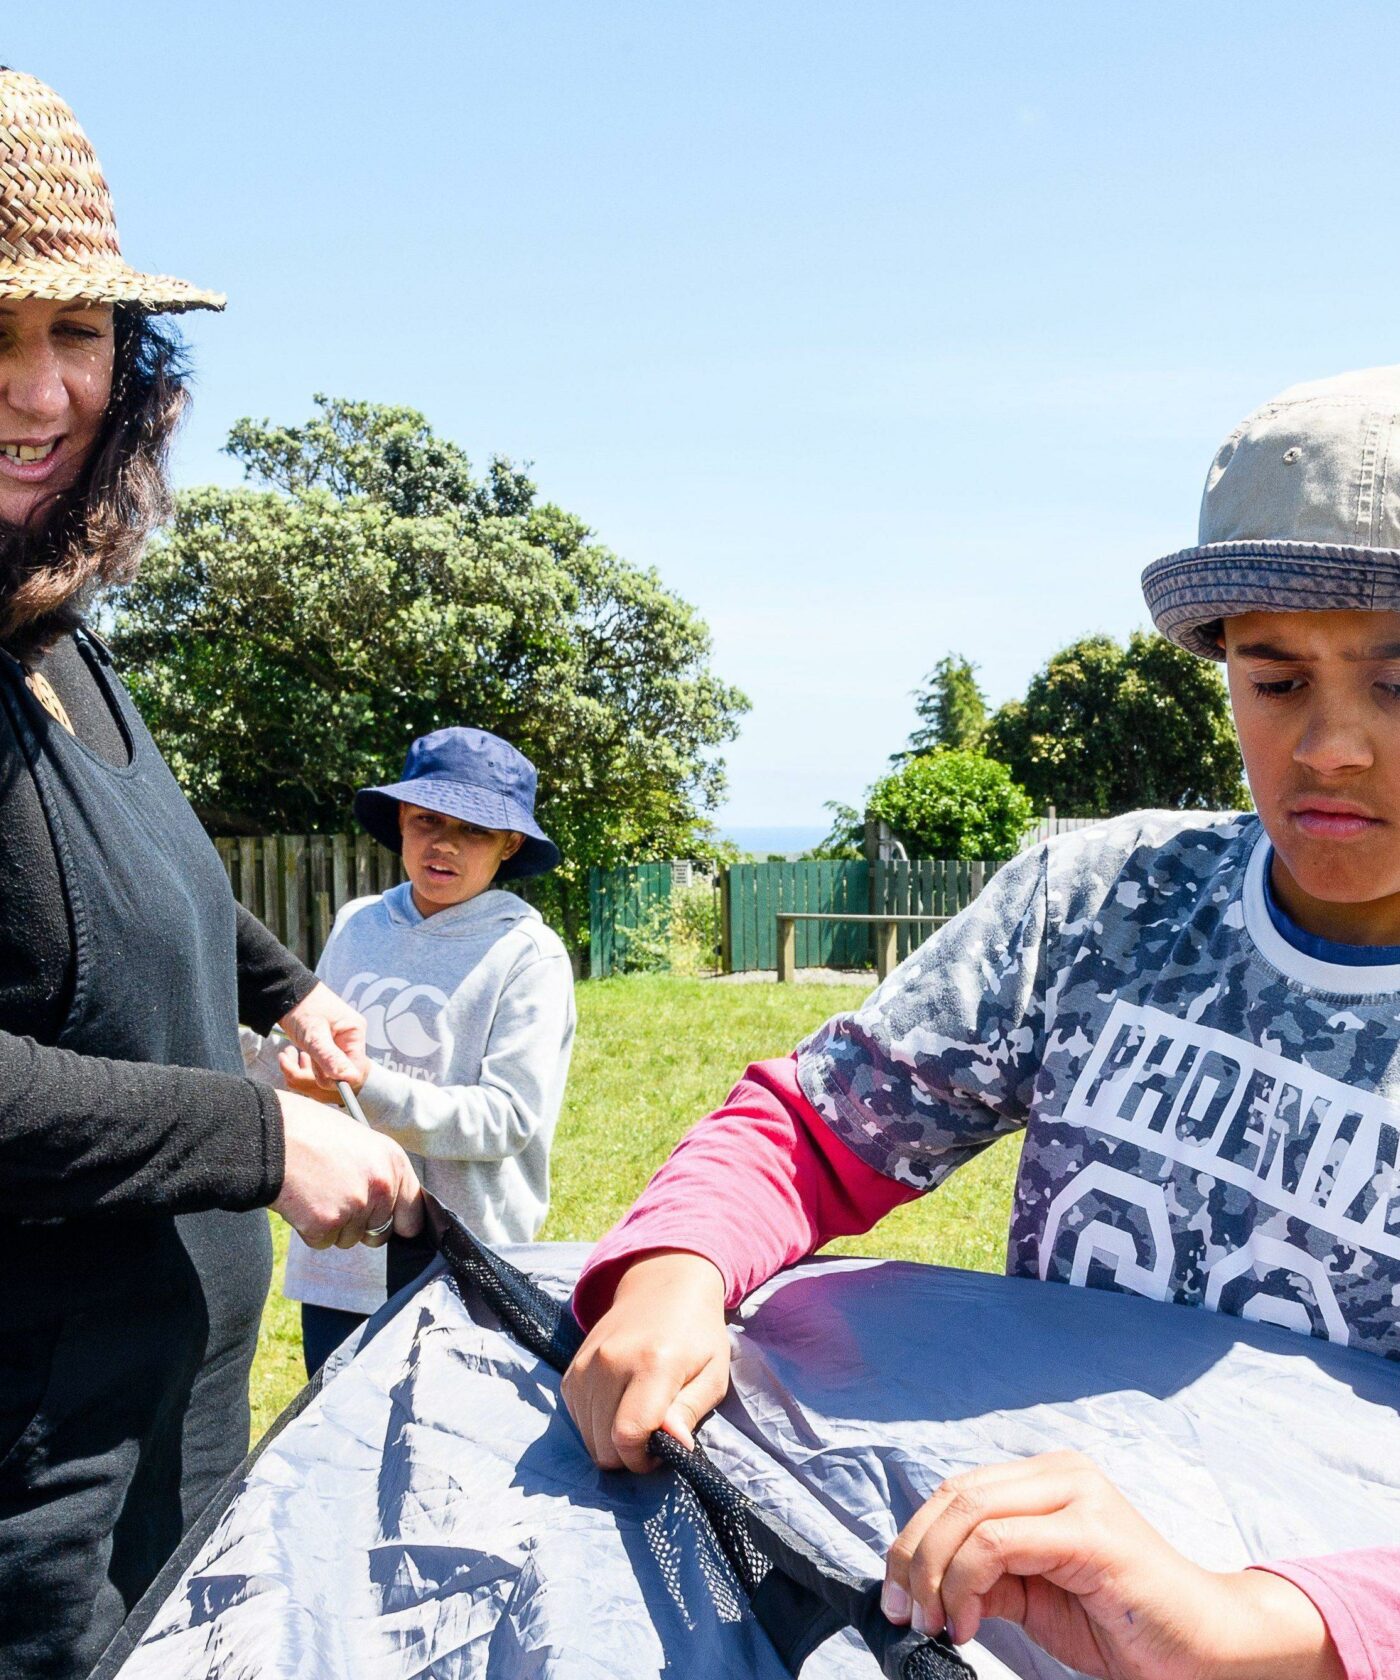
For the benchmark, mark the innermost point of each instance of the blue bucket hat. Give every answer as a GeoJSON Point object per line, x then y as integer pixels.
{"type": "Point", "coordinates": [473, 776]}
{"type": "Point", "coordinates": [1301, 513]}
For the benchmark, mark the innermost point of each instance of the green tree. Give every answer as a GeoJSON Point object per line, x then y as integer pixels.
{"type": "Point", "coordinates": [951, 709]}
{"type": "Point", "coordinates": [1106, 728]}
{"type": "Point", "coordinates": [845, 838]}
{"type": "Point", "coordinates": [288, 639]}
{"type": "Point", "coordinates": [953, 804]}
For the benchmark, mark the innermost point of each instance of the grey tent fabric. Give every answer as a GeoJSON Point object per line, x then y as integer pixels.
{"type": "Point", "coordinates": [431, 1512]}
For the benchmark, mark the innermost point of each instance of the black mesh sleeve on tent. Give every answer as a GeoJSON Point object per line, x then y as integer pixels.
{"type": "Point", "coordinates": [799, 1597]}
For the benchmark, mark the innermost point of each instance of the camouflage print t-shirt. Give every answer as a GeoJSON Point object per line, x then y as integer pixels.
{"type": "Point", "coordinates": [1210, 1116]}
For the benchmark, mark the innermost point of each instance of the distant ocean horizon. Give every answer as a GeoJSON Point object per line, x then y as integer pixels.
{"type": "Point", "coordinates": [784, 840]}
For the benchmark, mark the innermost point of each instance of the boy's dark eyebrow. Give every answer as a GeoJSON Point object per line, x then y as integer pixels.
{"type": "Point", "coordinates": [1271, 650]}
{"type": "Point", "coordinates": [1266, 650]}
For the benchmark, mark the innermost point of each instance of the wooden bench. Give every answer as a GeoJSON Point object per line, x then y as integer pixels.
{"type": "Point", "coordinates": [886, 935]}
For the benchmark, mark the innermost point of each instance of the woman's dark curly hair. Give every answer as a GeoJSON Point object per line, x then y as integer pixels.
{"type": "Point", "coordinates": [90, 537]}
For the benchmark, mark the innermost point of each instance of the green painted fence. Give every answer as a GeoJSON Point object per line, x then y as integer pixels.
{"type": "Point", "coordinates": [618, 901]}
{"type": "Point", "coordinates": [929, 887]}
{"type": "Point", "coordinates": [753, 893]}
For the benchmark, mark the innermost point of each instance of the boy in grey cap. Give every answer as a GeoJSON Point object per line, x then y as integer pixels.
{"type": "Point", "coordinates": [1191, 1019]}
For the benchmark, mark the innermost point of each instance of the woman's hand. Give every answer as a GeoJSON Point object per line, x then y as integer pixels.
{"type": "Point", "coordinates": [331, 1034]}
{"type": "Point", "coordinates": [657, 1359]}
{"type": "Point", "coordinates": [1051, 1544]}
{"type": "Point", "coordinates": [343, 1181]}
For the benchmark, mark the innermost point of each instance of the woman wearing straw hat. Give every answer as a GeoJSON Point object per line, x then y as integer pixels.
{"type": "Point", "coordinates": [134, 1156]}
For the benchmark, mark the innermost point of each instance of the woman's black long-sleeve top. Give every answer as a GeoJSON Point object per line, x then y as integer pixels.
{"type": "Point", "coordinates": [84, 1134]}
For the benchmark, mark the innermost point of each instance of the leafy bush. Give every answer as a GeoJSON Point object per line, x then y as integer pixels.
{"type": "Point", "coordinates": [678, 935]}
{"type": "Point", "coordinates": [953, 804]}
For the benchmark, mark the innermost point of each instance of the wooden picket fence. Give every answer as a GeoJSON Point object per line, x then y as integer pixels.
{"type": "Point", "coordinates": [1048, 826]}
{"type": "Point", "coordinates": [927, 886]}
{"type": "Point", "coordinates": [753, 894]}
{"type": "Point", "coordinates": [295, 883]}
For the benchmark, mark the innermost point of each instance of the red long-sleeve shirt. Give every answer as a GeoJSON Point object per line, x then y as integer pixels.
{"type": "Point", "coordinates": [763, 1181]}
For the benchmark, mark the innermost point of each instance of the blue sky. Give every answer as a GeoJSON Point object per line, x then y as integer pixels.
{"type": "Point", "coordinates": [878, 329]}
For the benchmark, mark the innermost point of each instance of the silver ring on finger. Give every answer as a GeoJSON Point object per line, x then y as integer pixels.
{"type": "Point", "coordinates": [375, 1236]}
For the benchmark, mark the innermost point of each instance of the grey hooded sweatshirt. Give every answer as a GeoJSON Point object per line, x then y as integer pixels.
{"type": "Point", "coordinates": [470, 1016]}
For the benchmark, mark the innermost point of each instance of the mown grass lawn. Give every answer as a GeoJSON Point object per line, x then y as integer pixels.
{"type": "Point", "coordinates": [653, 1055]}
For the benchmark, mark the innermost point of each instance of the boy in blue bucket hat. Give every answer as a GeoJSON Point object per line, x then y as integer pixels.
{"type": "Point", "coordinates": [469, 1004]}
{"type": "Point", "coordinates": [475, 778]}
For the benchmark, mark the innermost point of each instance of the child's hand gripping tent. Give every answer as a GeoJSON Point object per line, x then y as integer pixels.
{"type": "Point", "coordinates": [431, 1511]}
{"type": "Point", "coordinates": [798, 1597]}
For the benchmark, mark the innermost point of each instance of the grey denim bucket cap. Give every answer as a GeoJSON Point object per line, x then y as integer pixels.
{"type": "Point", "coordinates": [1301, 513]}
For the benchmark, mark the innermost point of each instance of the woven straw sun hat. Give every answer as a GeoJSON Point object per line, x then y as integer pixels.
{"type": "Point", "coordinates": [58, 236]}
{"type": "Point", "coordinates": [1301, 513]}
